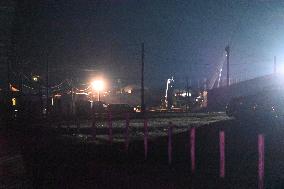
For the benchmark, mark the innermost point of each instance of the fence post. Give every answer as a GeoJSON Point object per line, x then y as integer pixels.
{"type": "Point", "coordinates": [127, 132]}
{"type": "Point", "coordinates": [170, 133]}
{"type": "Point", "coordinates": [260, 161]}
{"type": "Point", "coordinates": [110, 126]}
{"type": "Point", "coordinates": [145, 138]}
{"type": "Point", "coordinates": [94, 127]}
{"type": "Point", "coordinates": [68, 127]}
{"type": "Point", "coordinates": [192, 149]}
{"type": "Point", "coordinates": [78, 125]}
{"type": "Point", "coordinates": [58, 125]}
{"type": "Point", "coordinates": [222, 153]}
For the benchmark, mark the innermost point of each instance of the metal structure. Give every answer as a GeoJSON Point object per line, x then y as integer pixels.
{"type": "Point", "coordinates": [217, 75]}
{"type": "Point", "coordinates": [169, 93]}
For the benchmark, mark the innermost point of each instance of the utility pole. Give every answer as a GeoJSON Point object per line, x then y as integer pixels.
{"type": "Point", "coordinates": [40, 97]}
{"type": "Point", "coordinates": [142, 79]}
{"type": "Point", "coordinates": [227, 49]}
{"type": "Point", "coordinates": [21, 83]}
{"type": "Point", "coordinates": [275, 66]}
{"type": "Point", "coordinates": [8, 76]}
{"type": "Point", "coordinates": [20, 74]}
{"type": "Point", "coordinates": [47, 84]}
{"type": "Point", "coordinates": [187, 94]}
{"type": "Point", "coordinates": [72, 99]}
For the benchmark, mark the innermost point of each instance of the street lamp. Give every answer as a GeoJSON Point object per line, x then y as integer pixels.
{"type": "Point", "coordinates": [227, 49]}
{"type": "Point", "coordinates": [98, 85]}
{"type": "Point", "coordinates": [35, 78]}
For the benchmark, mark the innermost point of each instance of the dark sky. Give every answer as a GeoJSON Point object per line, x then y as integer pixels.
{"type": "Point", "coordinates": [182, 37]}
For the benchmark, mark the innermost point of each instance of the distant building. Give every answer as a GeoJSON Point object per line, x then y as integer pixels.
{"type": "Point", "coordinates": [219, 97]}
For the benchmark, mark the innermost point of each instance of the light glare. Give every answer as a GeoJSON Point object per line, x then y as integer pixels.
{"type": "Point", "coordinates": [98, 85]}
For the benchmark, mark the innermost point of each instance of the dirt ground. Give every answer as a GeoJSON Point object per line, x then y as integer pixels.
{"type": "Point", "coordinates": [69, 161]}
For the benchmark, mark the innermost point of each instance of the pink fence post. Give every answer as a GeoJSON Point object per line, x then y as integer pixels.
{"type": "Point", "coordinates": [145, 138]}
{"type": "Point", "coordinates": [170, 133]}
{"type": "Point", "coordinates": [222, 153]}
{"type": "Point", "coordinates": [110, 127]}
{"type": "Point", "coordinates": [192, 149]}
{"type": "Point", "coordinates": [260, 161]}
{"type": "Point", "coordinates": [127, 132]}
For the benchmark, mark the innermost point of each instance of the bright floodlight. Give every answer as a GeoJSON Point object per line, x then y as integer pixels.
{"type": "Point", "coordinates": [98, 85]}
{"type": "Point", "coordinates": [35, 78]}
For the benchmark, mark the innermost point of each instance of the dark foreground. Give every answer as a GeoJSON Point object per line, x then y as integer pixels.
{"type": "Point", "coordinates": [52, 161]}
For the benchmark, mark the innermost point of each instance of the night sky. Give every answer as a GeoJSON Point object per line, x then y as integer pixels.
{"type": "Point", "coordinates": [182, 38]}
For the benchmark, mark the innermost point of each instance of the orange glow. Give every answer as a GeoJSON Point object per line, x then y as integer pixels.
{"type": "Point", "coordinates": [98, 85]}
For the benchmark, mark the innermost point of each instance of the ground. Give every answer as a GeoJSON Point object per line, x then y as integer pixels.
{"type": "Point", "coordinates": [74, 160]}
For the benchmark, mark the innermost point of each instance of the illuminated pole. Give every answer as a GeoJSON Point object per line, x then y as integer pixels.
{"type": "Point", "coordinates": [192, 149]}
{"type": "Point", "coordinates": [227, 49]}
{"type": "Point", "coordinates": [98, 86]}
{"type": "Point", "coordinates": [261, 161]}
{"type": "Point", "coordinates": [170, 147]}
{"type": "Point", "coordinates": [222, 153]}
